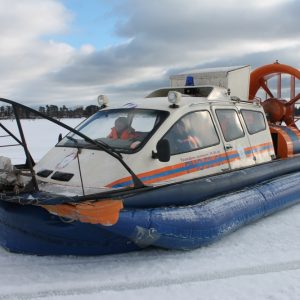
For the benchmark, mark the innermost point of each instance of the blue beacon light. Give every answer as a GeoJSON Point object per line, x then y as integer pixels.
{"type": "Point", "coordinates": [189, 81]}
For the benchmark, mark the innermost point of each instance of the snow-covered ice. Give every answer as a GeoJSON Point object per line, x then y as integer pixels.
{"type": "Point", "coordinates": [259, 261]}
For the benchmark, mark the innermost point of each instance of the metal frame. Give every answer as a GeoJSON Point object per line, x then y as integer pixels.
{"type": "Point", "coordinates": [137, 182]}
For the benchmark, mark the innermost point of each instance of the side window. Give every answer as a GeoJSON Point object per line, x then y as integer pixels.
{"type": "Point", "coordinates": [193, 131]}
{"type": "Point", "coordinates": [230, 124]}
{"type": "Point", "coordinates": [254, 121]}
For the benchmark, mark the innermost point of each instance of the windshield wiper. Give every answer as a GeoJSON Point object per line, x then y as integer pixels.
{"type": "Point", "coordinates": [137, 182]}
{"type": "Point", "coordinates": [109, 148]}
{"type": "Point", "coordinates": [95, 143]}
{"type": "Point", "coordinates": [72, 139]}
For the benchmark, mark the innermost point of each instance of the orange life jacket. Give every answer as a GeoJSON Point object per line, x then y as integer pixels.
{"type": "Point", "coordinates": [125, 135]}
{"type": "Point", "coordinates": [192, 141]}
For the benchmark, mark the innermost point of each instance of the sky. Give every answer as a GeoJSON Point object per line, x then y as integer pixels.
{"type": "Point", "coordinates": [70, 51]}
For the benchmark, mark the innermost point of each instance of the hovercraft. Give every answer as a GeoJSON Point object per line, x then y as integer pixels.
{"type": "Point", "coordinates": [178, 169]}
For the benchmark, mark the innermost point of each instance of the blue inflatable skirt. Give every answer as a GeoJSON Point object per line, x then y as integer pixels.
{"type": "Point", "coordinates": [32, 230]}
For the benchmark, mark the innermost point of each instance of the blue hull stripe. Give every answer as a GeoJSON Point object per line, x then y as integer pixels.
{"type": "Point", "coordinates": [196, 164]}
{"type": "Point", "coordinates": [193, 166]}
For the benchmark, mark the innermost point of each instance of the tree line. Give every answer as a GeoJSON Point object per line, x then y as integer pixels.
{"type": "Point", "coordinates": [54, 111]}
{"type": "Point", "coordinates": [6, 112]}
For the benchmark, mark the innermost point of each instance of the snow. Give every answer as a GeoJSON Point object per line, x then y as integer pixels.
{"type": "Point", "coordinates": [40, 136]}
{"type": "Point", "coordinates": [259, 261]}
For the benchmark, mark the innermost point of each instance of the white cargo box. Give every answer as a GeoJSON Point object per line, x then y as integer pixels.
{"type": "Point", "coordinates": [234, 78]}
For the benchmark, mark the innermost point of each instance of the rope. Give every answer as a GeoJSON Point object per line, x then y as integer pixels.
{"type": "Point", "coordinates": [80, 174]}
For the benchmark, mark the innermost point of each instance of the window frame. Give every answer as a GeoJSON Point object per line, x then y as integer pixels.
{"type": "Point", "coordinates": [255, 111]}
{"type": "Point", "coordinates": [237, 113]}
{"type": "Point", "coordinates": [200, 148]}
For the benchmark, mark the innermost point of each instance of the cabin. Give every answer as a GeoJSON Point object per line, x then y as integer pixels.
{"type": "Point", "coordinates": [180, 133]}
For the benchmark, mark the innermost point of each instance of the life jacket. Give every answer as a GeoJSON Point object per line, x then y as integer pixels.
{"type": "Point", "coordinates": [192, 141]}
{"type": "Point", "coordinates": [125, 135]}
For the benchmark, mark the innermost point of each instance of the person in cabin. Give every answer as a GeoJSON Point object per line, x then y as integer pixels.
{"type": "Point", "coordinates": [181, 140]}
{"type": "Point", "coordinates": [122, 130]}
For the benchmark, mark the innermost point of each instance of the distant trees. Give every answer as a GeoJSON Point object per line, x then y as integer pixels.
{"type": "Point", "coordinates": [6, 112]}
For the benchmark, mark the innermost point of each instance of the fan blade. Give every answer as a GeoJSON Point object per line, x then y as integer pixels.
{"type": "Point", "coordinates": [265, 87]}
{"type": "Point", "coordinates": [294, 100]}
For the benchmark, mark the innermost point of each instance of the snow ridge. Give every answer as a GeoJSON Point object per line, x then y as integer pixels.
{"type": "Point", "coordinates": [158, 282]}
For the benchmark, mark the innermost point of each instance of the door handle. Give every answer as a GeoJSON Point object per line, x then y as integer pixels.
{"type": "Point", "coordinates": [228, 147]}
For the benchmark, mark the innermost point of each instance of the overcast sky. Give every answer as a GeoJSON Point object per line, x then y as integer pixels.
{"type": "Point", "coordinates": [69, 51]}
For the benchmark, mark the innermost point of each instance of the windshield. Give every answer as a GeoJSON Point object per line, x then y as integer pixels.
{"type": "Point", "coordinates": [125, 130]}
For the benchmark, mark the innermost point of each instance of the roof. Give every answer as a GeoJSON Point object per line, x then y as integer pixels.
{"type": "Point", "coordinates": [211, 70]}
{"type": "Point", "coordinates": [158, 99]}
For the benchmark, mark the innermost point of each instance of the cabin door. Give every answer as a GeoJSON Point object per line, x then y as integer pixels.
{"type": "Point", "coordinates": [236, 143]}
{"type": "Point", "coordinates": [259, 135]}
{"type": "Point", "coordinates": [196, 150]}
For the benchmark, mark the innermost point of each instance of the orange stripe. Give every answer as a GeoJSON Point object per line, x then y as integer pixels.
{"type": "Point", "coordinates": [170, 176]}
{"type": "Point", "coordinates": [173, 167]}
{"type": "Point", "coordinates": [258, 146]}
{"type": "Point", "coordinates": [182, 165]}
